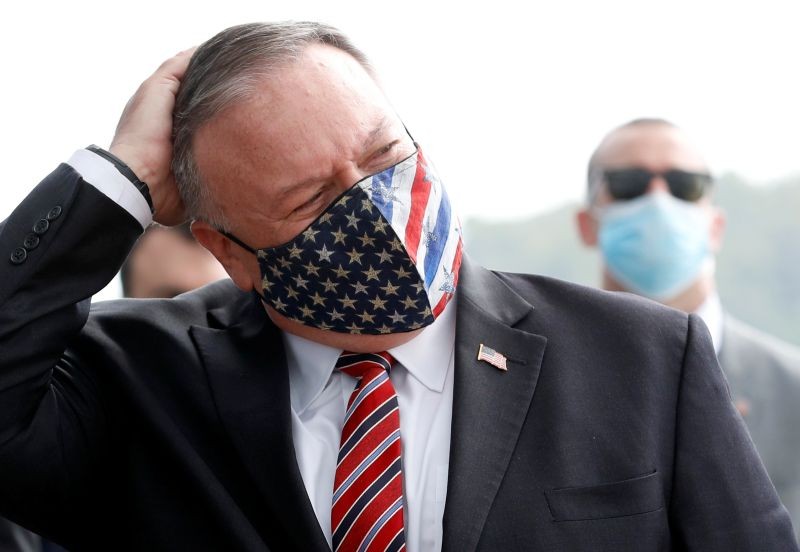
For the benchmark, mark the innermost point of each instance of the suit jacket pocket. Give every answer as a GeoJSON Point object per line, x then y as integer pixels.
{"type": "Point", "coordinates": [638, 495]}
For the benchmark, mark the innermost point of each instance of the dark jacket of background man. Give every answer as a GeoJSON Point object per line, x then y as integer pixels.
{"type": "Point", "coordinates": [763, 372]}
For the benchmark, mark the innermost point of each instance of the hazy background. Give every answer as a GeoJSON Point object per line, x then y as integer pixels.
{"type": "Point", "coordinates": [507, 98]}
{"type": "Point", "coordinates": [758, 270]}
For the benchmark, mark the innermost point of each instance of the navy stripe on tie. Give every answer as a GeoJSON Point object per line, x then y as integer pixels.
{"type": "Point", "coordinates": [349, 359]}
{"type": "Point", "coordinates": [380, 523]}
{"type": "Point", "coordinates": [359, 505]}
{"type": "Point", "coordinates": [397, 542]}
{"type": "Point", "coordinates": [362, 394]}
{"type": "Point", "coordinates": [366, 426]}
{"type": "Point", "coordinates": [366, 463]}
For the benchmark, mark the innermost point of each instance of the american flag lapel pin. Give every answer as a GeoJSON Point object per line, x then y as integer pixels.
{"type": "Point", "coordinates": [491, 356]}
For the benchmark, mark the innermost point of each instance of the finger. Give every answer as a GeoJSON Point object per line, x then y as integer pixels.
{"type": "Point", "coordinates": [187, 51]}
{"type": "Point", "coordinates": [175, 66]}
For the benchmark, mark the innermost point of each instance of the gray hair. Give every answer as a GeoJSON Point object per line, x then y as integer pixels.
{"type": "Point", "coordinates": [594, 172]}
{"type": "Point", "coordinates": [224, 70]}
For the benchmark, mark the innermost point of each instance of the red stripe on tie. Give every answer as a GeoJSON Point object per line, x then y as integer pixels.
{"type": "Point", "coordinates": [364, 447]}
{"type": "Point", "coordinates": [420, 191]}
{"type": "Point", "coordinates": [370, 515]}
{"type": "Point", "coordinates": [373, 401]}
{"type": "Point", "coordinates": [357, 488]}
{"type": "Point", "coordinates": [357, 392]}
{"type": "Point", "coordinates": [371, 466]}
{"type": "Point", "coordinates": [388, 532]}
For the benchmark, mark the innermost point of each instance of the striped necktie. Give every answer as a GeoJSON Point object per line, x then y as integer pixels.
{"type": "Point", "coordinates": [367, 510]}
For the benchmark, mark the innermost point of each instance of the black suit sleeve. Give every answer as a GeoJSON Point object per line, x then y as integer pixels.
{"type": "Point", "coordinates": [722, 498]}
{"type": "Point", "coordinates": [73, 240]}
{"type": "Point", "coordinates": [14, 538]}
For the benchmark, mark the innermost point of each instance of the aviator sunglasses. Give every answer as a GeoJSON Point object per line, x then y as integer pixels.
{"type": "Point", "coordinates": [624, 184]}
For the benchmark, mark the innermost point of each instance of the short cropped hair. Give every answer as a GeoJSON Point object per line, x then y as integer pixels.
{"type": "Point", "coordinates": [594, 172]}
{"type": "Point", "coordinates": [224, 70]}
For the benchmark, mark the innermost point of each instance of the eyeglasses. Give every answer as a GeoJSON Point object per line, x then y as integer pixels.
{"type": "Point", "coordinates": [624, 184]}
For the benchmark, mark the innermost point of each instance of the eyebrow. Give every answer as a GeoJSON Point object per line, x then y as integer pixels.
{"type": "Point", "coordinates": [374, 133]}
{"type": "Point", "coordinates": [365, 145]}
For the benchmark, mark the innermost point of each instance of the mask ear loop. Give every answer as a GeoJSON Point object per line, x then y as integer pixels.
{"type": "Point", "coordinates": [416, 146]}
{"type": "Point", "coordinates": [238, 242]}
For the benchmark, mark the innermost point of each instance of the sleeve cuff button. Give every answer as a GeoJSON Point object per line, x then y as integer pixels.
{"type": "Point", "coordinates": [41, 226]}
{"type": "Point", "coordinates": [54, 213]}
{"type": "Point", "coordinates": [31, 241]}
{"type": "Point", "coordinates": [19, 255]}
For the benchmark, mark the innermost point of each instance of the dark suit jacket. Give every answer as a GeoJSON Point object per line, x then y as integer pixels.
{"type": "Point", "coordinates": [165, 424]}
{"type": "Point", "coordinates": [14, 538]}
{"type": "Point", "coordinates": [764, 377]}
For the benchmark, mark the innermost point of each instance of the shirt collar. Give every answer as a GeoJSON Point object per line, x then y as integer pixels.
{"type": "Point", "coordinates": [310, 366]}
{"type": "Point", "coordinates": [711, 313]}
{"type": "Point", "coordinates": [427, 358]}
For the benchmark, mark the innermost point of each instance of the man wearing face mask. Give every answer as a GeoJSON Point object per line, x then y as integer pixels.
{"type": "Point", "coordinates": [651, 214]}
{"type": "Point", "coordinates": [358, 384]}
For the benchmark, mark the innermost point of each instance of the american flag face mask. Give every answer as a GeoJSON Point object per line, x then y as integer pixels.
{"type": "Point", "coordinates": [383, 258]}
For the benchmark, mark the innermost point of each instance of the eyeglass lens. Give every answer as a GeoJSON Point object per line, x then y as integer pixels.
{"type": "Point", "coordinates": [624, 184]}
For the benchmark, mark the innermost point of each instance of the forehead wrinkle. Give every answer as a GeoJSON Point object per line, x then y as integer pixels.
{"type": "Point", "coordinates": [288, 191]}
{"type": "Point", "coordinates": [368, 141]}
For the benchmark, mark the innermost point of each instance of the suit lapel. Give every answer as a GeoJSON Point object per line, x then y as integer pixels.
{"type": "Point", "coordinates": [246, 367]}
{"type": "Point", "coordinates": [489, 405]}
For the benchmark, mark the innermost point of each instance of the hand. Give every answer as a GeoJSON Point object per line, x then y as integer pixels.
{"type": "Point", "coordinates": [143, 139]}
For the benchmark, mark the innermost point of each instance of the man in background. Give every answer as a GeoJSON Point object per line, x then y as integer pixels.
{"type": "Point", "coordinates": [167, 262]}
{"type": "Point", "coordinates": [651, 213]}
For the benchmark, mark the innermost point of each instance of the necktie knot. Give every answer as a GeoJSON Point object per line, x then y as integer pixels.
{"type": "Point", "coordinates": [364, 365]}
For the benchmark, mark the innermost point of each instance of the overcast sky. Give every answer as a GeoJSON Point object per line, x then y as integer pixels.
{"type": "Point", "coordinates": [507, 98]}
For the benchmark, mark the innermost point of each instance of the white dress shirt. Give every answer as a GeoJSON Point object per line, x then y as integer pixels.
{"type": "Point", "coordinates": [422, 378]}
{"type": "Point", "coordinates": [711, 313]}
{"type": "Point", "coordinates": [104, 176]}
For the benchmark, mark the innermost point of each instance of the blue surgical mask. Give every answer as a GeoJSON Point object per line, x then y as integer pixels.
{"type": "Point", "coordinates": [655, 245]}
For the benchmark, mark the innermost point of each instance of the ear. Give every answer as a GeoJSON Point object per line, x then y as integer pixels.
{"type": "Point", "coordinates": [587, 227]}
{"type": "Point", "coordinates": [717, 228]}
{"type": "Point", "coordinates": [240, 265]}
